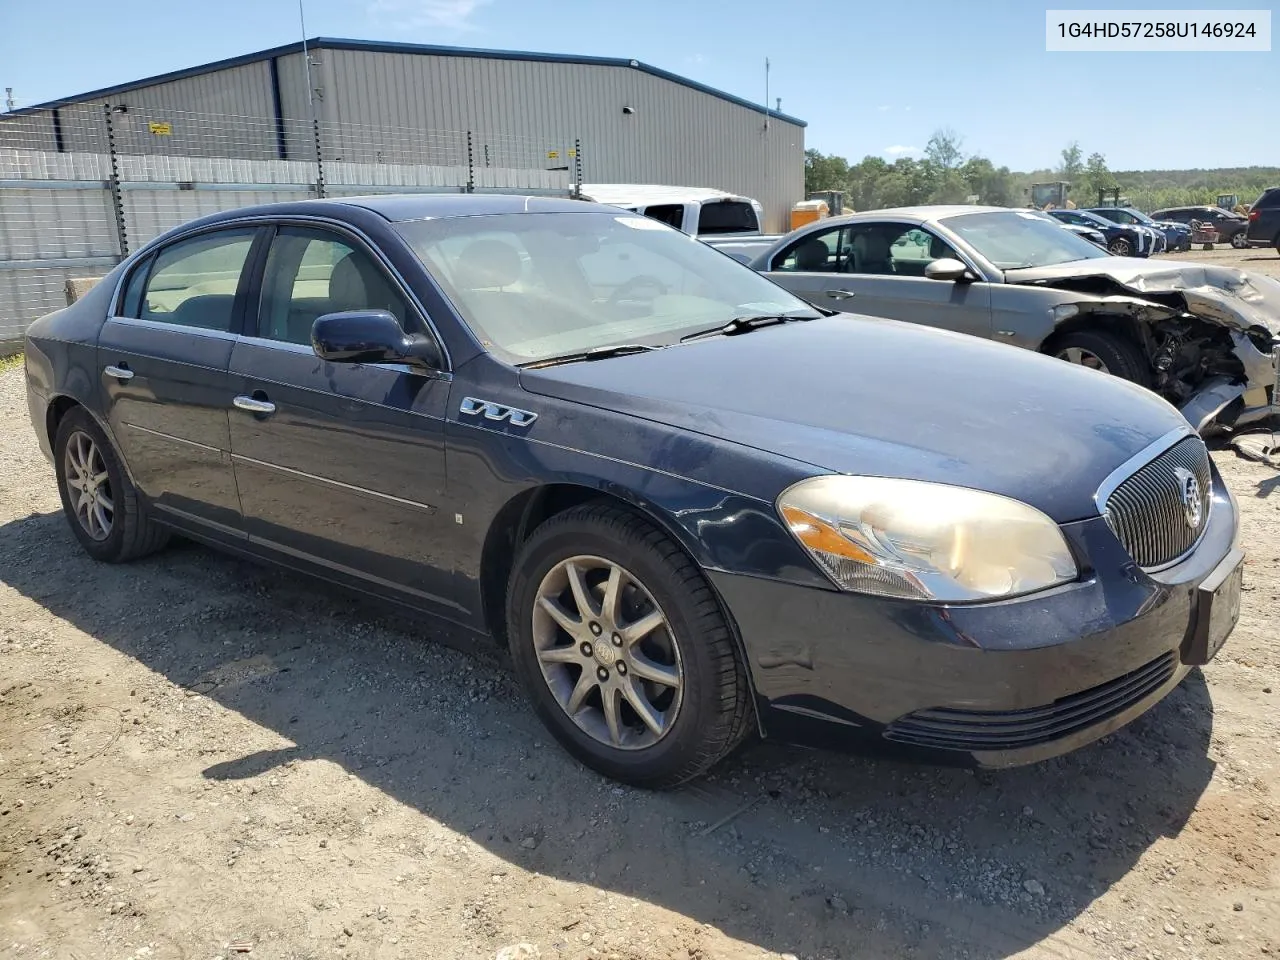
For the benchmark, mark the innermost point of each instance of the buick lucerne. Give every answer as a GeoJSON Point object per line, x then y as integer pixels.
{"type": "Point", "coordinates": [693, 506]}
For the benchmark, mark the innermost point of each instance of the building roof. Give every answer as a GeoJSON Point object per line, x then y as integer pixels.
{"type": "Point", "coordinates": [385, 46]}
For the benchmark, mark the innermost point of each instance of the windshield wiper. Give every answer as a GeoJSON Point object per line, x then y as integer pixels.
{"type": "Point", "coordinates": [743, 325]}
{"type": "Point", "coordinates": [595, 353]}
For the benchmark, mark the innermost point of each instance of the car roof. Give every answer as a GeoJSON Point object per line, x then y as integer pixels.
{"type": "Point", "coordinates": [920, 214]}
{"type": "Point", "coordinates": [398, 208]}
{"type": "Point", "coordinates": [623, 194]}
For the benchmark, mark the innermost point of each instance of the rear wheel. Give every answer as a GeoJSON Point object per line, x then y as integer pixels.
{"type": "Point", "coordinates": [101, 505]}
{"type": "Point", "coordinates": [623, 649]}
{"type": "Point", "coordinates": [1103, 351]}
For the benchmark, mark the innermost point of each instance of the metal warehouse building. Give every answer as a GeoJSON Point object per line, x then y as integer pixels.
{"type": "Point", "coordinates": [573, 118]}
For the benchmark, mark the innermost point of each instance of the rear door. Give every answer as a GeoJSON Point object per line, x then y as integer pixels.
{"type": "Point", "coordinates": [877, 268]}
{"type": "Point", "coordinates": [164, 359]}
{"type": "Point", "coordinates": [340, 466]}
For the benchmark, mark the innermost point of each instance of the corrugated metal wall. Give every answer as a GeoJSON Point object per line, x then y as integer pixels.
{"type": "Point", "coordinates": [677, 135]}
{"type": "Point", "coordinates": [387, 107]}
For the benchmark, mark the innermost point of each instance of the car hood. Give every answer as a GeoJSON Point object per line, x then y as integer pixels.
{"type": "Point", "coordinates": [861, 395]}
{"type": "Point", "coordinates": [1224, 295]}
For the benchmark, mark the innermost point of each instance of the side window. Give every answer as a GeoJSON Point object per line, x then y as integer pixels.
{"type": "Point", "coordinates": [193, 282]}
{"type": "Point", "coordinates": [1121, 217]}
{"type": "Point", "coordinates": [814, 253]}
{"type": "Point", "coordinates": [312, 272]}
{"type": "Point", "coordinates": [672, 214]}
{"type": "Point", "coordinates": [893, 248]}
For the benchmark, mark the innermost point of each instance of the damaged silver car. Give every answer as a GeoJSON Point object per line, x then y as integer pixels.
{"type": "Point", "coordinates": [1206, 338]}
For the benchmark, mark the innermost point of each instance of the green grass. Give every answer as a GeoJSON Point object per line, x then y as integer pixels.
{"type": "Point", "coordinates": [10, 363]}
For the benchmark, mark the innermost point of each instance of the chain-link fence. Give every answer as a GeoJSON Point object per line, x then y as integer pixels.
{"type": "Point", "coordinates": [83, 186]}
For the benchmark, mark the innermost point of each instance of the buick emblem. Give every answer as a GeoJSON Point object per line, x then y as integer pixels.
{"type": "Point", "coordinates": [1189, 493]}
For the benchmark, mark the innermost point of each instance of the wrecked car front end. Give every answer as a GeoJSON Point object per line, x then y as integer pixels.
{"type": "Point", "coordinates": [1212, 333]}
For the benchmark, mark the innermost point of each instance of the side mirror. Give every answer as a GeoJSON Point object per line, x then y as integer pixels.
{"type": "Point", "coordinates": [370, 336]}
{"type": "Point", "coordinates": [946, 268]}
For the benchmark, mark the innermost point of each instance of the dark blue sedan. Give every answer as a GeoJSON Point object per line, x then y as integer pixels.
{"type": "Point", "coordinates": [691, 505]}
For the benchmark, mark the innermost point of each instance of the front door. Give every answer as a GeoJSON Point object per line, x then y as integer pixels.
{"type": "Point", "coordinates": [877, 269]}
{"type": "Point", "coordinates": [339, 466]}
{"type": "Point", "coordinates": [164, 360]}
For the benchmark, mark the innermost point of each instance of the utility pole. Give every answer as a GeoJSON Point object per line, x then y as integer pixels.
{"type": "Point", "coordinates": [9, 103]}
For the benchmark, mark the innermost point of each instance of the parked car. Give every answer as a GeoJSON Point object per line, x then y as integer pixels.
{"type": "Point", "coordinates": [1172, 236]}
{"type": "Point", "coordinates": [1201, 336]}
{"type": "Point", "coordinates": [1264, 220]}
{"type": "Point", "coordinates": [1094, 236]}
{"type": "Point", "coordinates": [698, 211]}
{"type": "Point", "coordinates": [1121, 240]}
{"type": "Point", "coordinates": [1231, 226]}
{"type": "Point", "coordinates": [687, 501]}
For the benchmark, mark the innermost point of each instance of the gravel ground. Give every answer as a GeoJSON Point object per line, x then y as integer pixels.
{"type": "Point", "coordinates": [204, 759]}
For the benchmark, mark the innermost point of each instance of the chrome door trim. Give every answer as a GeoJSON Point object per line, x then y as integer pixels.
{"type": "Point", "coordinates": [182, 440]}
{"type": "Point", "coordinates": [333, 483]}
{"type": "Point", "coordinates": [119, 373]}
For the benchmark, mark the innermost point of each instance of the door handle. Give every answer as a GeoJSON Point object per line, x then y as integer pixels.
{"type": "Point", "coordinates": [254, 405]}
{"type": "Point", "coordinates": [121, 372]}
{"type": "Point", "coordinates": [840, 294]}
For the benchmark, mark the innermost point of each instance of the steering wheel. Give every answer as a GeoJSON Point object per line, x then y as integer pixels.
{"type": "Point", "coordinates": [625, 291]}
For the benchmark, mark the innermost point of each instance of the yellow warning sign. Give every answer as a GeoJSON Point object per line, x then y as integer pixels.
{"type": "Point", "coordinates": [553, 154]}
{"type": "Point", "coordinates": [161, 128]}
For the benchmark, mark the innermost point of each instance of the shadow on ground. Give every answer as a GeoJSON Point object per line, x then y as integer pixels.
{"type": "Point", "coordinates": [837, 856]}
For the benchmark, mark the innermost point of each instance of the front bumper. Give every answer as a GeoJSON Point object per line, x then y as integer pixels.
{"type": "Point", "coordinates": [995, 684]}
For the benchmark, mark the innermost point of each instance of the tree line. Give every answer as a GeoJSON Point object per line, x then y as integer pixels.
{"type": "Point", "coordinates": [945, 173]}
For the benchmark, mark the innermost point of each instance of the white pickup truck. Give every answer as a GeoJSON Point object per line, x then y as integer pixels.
{"type": "Point", "coordinates": [698, 211]}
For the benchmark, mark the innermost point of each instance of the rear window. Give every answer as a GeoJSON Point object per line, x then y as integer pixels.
{"type": "Point", "coordinates": [727, 216]}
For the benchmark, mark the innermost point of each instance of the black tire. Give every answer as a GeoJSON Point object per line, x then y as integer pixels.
{"type": "Point", "coordinates": [132, 533]}
{"type": "Point", "coordinates": [714, 715]}
{"type": "Point", "coordinates": [1239, 241]}
{"type": "Point", "coordinates": [1121, 356]}
{"type": "Point", "coordinates": [1120, 247]}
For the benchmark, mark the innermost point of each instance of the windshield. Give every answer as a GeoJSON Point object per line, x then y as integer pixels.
{"type": "Point", "coordinates": [1020, 238]}
{"type": "Point", "coordinates": [1138, 215]}
{"type": "Point", "coordinates": [538, 285]}
{"type": "Point", "coordinates": [1093, 219]}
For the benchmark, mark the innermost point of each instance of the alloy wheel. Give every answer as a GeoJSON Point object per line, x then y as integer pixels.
{"type": "Point", "coordinates": [607, 652]}
{"type": "Point", "coordinates": [1119, 248]}
{"type": "Point", "coordinates": [88, 486]}
{"type": "Point", "coordinates": [1083, 357]}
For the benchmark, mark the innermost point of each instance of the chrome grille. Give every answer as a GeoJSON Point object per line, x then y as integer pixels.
{"type": "Point", "coordinates": [1158, 513]}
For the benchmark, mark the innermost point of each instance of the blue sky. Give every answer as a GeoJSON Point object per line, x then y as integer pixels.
{"type": "Point", "coordinates": [869, 77]}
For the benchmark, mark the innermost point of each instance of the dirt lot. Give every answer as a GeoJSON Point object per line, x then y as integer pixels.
{"type": "Point", "coordinates": [201, 759]}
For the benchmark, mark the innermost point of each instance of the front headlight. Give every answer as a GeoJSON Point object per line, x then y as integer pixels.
{"type": "Point", "coordinates": [925, 541]}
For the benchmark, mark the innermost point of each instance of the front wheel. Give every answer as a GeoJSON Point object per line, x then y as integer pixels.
{"type": "Point", "coordinates": [623, 650]}
{"type": "Point", "coordinates": [1103, 351]}
{"type": "Point", "coordinates": [1120, 247]}
{"type": "Point", "coordinates": [1239, 241]}
{"type": "Point", "coordinates": [101, 505]}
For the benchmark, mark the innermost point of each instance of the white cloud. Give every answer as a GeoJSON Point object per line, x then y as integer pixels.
{"type": "Point", "coordinates": [417, 14]}
{"type": "Point", "coordinates": [696, 58]}
{"type": "Point", "coordinates": [897, 150]}
{"type": "Point", "coordinates": [885, 108]}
